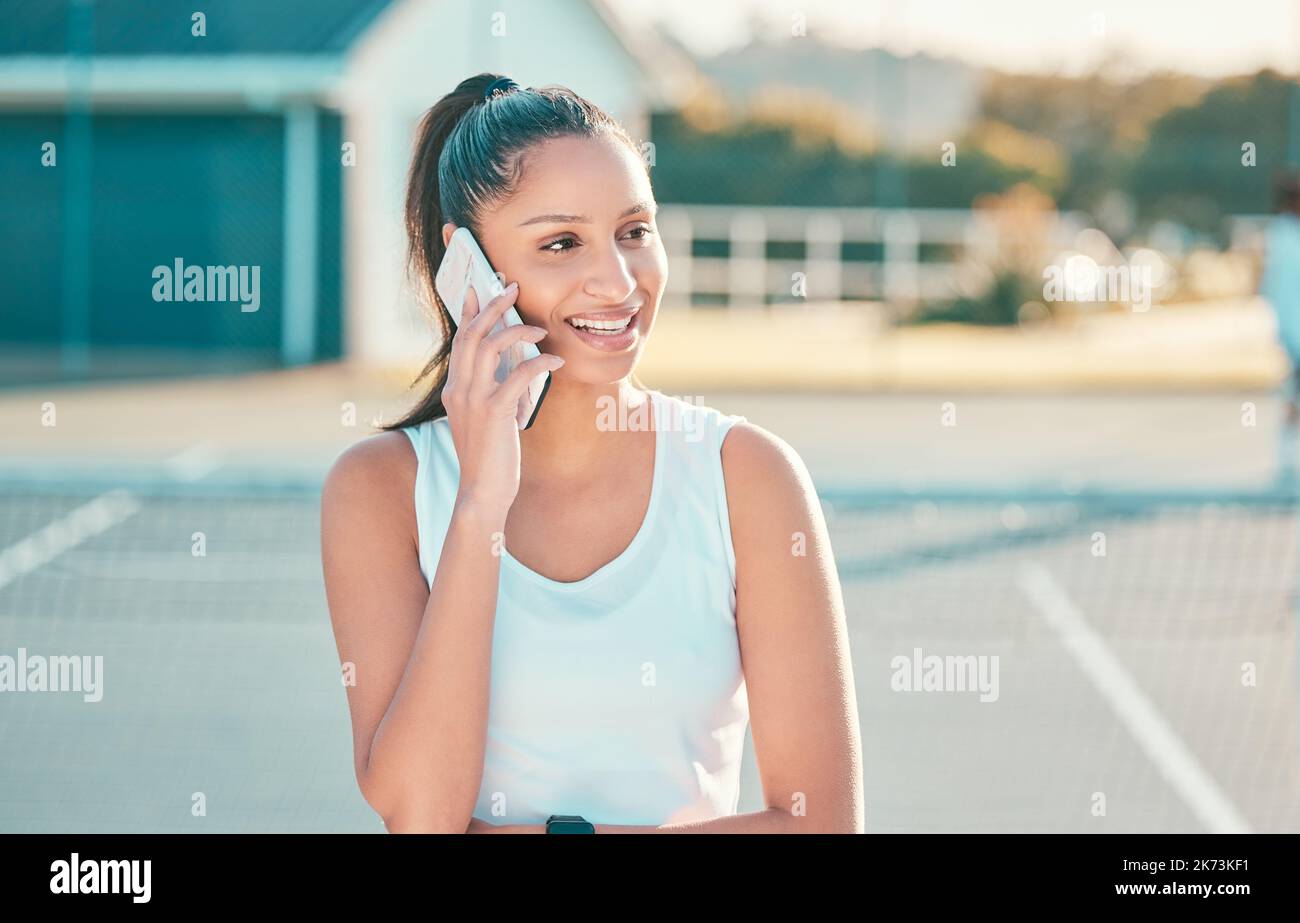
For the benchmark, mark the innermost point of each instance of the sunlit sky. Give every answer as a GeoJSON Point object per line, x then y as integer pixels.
{"type": "Point", "coordinates": [1208, 37]}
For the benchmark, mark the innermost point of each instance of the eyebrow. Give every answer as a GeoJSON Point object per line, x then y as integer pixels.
{"type": "Point", "coordinates": [583, 219]}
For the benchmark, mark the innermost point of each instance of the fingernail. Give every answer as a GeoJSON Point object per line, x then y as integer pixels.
{"type": "Point", "coordinates": [512, 286]}
{"type": "Point", "coordinates": [557, 361]}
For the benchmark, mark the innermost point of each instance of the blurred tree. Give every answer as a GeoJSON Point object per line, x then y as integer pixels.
{"type": "Point", "coordinates": [1162, 147]}
{"type": "Point", "coordinates": [1191, 170]}
{"type": "Point", "coordinates": [1098, 124]}
{"type": "Point", "coordinates": [805, 156]}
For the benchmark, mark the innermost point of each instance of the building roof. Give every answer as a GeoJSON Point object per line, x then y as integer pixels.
{"type": "Point", "coordinates": [163, 27]}
{"type": "Point", "coordinates": [253, 50]}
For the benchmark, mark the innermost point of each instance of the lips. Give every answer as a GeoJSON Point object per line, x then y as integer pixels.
{"type": "Point", "coordinates": [611, 340]}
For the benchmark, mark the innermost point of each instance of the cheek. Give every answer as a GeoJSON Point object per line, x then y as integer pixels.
{"type": "Point", "coordinates": [539, 293]}
{"type": "Point", "coordinates": [651, 269]}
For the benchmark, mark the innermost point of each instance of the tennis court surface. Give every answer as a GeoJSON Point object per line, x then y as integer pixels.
{"type": "Point", "coordinates": [1089, 659]}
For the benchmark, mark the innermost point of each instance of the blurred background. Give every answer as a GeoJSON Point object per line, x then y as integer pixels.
{"type": "Point", "coordinates": [994, 272]}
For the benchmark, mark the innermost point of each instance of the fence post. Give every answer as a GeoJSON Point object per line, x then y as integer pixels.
{"type": "Point", "coordinates": [747, 264]}
{"type": "Point", "coordinates": [823, 236]}
{"type": "Point", "coordinates": [902, 259]}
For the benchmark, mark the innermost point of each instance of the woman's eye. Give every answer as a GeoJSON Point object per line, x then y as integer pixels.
{"type": "Point", "coordinates": [558, 246]}
{"type": "Point", "coordinates": [553, 247]}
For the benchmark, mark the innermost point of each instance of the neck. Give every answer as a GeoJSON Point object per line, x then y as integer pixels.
{"type": "Point", "coordinates": [578, 427]}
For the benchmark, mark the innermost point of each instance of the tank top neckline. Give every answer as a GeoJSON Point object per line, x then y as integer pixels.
{"type": "Point", "coordinates": [638, 540]}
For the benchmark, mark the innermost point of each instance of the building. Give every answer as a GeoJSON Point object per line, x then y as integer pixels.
{"type": "Point", "coordinates": [150, 145]}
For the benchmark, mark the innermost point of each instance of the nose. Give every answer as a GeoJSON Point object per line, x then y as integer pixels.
{"type": "Point", "coordinates": [609, 278]}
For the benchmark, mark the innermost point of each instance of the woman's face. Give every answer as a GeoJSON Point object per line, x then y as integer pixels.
{"type": "Point", "coordinates": [579, 236]}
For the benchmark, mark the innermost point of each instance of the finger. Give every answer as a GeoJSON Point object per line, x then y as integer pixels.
{"type": "Point", "coordinates": [470, 308]}
{"type": "Point", "coordinates": [513, 388]}
{"type": "Point", "coordinates": [456, 362]}
{"type": "Point", "coordinates": [488, 357]}
{"type": "Point", "coordinates": [494, 310]}
{"type": "Point", "coordinates": [480, 326]}
{"type": "Point", "coordinates": [490, 350]}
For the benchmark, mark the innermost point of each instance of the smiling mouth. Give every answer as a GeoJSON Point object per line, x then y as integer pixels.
{"type": "Point", "coordinates": [602, 326]}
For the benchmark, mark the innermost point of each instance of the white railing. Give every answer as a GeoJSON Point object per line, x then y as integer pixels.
{"type": "Point", "coordinates": [747, 277]}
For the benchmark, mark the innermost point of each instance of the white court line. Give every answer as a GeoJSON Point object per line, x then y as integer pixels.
{"type": "Point", "coordinates": [65, 533]}
{"type": "Point", "coordinates": [1172, 757]}
{"type": "Point", "coordinates": [194, 463]}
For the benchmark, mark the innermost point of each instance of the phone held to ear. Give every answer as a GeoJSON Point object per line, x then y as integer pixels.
{"type": "Point", "coordinates": [464, 266]}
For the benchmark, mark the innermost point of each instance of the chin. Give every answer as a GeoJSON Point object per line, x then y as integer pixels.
{"type": "Point", "coordinates": [595, 371]}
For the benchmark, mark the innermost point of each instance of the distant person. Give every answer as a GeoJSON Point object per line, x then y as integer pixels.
{"type": "Point", "coordinates": [1281, 286]}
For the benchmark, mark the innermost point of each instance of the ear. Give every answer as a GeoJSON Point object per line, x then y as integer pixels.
{"type": "Point", "coordinates": [447, 230]}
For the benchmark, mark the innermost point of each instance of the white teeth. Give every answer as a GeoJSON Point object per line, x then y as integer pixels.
{"type": "Point", "coordinates": [601, 326]}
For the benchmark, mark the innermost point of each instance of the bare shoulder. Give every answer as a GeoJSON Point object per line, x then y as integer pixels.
{"type": "Point", "coordinates": [774, 509]}
{"type": "Point", "coordinates": [761, 467]}
{"type": "Point", "coordinates": [371, 481]}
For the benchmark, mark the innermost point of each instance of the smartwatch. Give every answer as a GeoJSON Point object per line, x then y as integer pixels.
{"type": "Point", "coordinates": [568, 823]}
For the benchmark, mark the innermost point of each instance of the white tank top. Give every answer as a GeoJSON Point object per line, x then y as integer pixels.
{"type": "Point", "coordinates": [618, 697]}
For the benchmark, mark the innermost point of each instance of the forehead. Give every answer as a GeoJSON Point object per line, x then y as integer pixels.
{"type": "Point", "coordinates": [597, 176]}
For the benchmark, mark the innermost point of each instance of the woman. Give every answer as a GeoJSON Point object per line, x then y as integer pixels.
{"type": "Point", "coordinates": [554, 621]}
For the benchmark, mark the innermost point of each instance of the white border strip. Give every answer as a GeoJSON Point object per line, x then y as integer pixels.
{"type": "Point", "coordinates": [1172, 757]}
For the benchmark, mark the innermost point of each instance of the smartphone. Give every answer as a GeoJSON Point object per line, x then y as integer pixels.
{"type": "Point", "coordinates": [464, 267]}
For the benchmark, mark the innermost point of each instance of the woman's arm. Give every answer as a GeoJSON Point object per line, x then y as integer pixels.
{"type": "Point", "coordinates": [793, 638]}
{"type": "Point", "coordinates": [795, 651]}
{"type": "Point", "coordinates": [421, 657]}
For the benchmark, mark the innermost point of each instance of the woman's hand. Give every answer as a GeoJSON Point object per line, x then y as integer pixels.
{"type": "Point", "coordinates": [481, 411]}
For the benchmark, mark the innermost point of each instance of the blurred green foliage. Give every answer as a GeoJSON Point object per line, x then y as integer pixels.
{"type": "Point", "coordinates": [1191, 168]}
{"type": "Point", "coordinates": [999, 305]}
{"type": "Point", "coordinates": [777, 165]}
{"type": "Point", "coordinates": [1170, 145]}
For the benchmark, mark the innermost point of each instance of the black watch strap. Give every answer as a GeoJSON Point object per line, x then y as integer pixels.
{"type": "Point", "coordinates": [568, 823]}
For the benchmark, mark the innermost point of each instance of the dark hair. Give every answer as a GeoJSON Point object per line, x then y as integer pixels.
{"type": "Point", "coordinates": [469, 156]}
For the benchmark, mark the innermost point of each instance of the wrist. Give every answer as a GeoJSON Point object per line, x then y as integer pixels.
{"type": "Point", "coordinates": [483, 513]}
